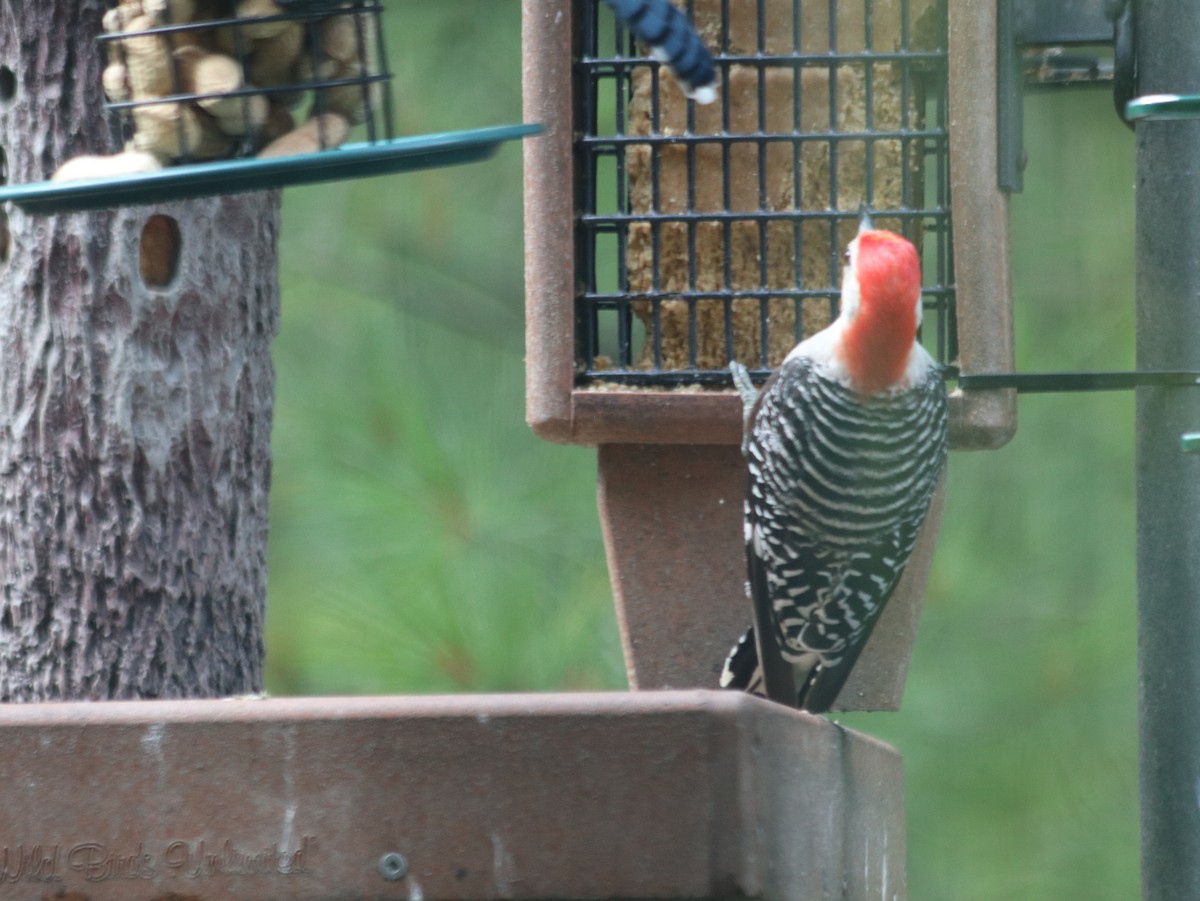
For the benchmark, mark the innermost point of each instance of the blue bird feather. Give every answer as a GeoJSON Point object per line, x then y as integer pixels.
{"type": "Point", "coordinates": [673, 40]}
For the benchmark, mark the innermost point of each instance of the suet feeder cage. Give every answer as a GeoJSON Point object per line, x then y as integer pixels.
{"type": "Point", "coordinates": [223, 96]}
{"type": "Point", "coordinates": [665, 239]}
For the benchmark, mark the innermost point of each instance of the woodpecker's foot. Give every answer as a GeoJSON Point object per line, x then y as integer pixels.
{"type": "Point", "coordinates": [744, 385]}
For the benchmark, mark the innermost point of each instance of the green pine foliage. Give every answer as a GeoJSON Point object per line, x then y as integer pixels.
{"type": "Point", "coordinates": [424, 541]}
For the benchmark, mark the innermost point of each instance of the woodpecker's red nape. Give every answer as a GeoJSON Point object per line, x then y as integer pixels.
{"type": "Point", "coordinates": [877, 342]}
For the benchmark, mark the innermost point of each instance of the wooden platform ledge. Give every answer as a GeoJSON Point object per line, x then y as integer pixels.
{"type": "Point", "coordinates": [644, 795]}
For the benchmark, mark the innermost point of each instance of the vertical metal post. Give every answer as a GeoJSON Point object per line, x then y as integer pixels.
{"type": "Point", "coordinates": [1168, 480]}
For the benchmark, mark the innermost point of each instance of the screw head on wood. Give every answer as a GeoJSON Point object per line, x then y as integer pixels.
{"type": "Point", "coordinates": [393, 866]}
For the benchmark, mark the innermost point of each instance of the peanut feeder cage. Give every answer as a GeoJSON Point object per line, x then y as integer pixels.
{"type": "Point", "coordinates": [221, 96]}
{"type": "Point", "coordinates": [665, 239]}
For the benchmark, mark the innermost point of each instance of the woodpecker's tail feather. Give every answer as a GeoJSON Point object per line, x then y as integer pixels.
{"type": "Point", "coordinates": [815, 693]}
{"type": "Point", "coordinates": [672, 40]}
{"type": "Point", "coordinates": [827, 682]}
{"type": "Point", "coordinates": [741, 671]}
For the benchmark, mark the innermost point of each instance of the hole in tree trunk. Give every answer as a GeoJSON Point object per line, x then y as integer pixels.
{"type": "Point", "coordinates": [8, 84]}
{"type": "Point", "coordinates": [160, 251]}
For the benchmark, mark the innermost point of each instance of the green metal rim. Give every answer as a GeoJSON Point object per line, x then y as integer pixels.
{"type": "Point", "coordinates": [241, 175]}
{"type": "Point", "coordinates": [1163, 106]}
{"type": "Point", "coordinates": [1190, 442]}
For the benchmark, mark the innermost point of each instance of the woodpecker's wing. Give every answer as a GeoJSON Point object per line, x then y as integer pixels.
{"type": "Point", "coordinates": [813, 607]}
{"type": "Point", "coordinates": [830, 677]}
{"type": "Point", "coordinates": [782, 680]}
{"type": "Point", "coordinates": [838, 488]}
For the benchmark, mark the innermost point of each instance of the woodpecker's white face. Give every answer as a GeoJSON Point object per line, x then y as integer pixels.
{"type": "Point", "coordinates": [851, 292]}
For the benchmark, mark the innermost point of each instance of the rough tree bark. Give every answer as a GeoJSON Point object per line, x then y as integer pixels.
{"type": "Point", "coordinates": [135, 415]}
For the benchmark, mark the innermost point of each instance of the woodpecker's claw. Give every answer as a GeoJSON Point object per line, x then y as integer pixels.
{"type": "Point", "coordinates": [745, 387]}
{"type": "Point", "coordinates": [744, 384]}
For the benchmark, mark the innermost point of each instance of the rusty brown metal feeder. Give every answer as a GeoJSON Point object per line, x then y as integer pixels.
{"type": "Point", "coordinates": [664, 239]}
{"type": "Point", "coordinates": [651, 795]}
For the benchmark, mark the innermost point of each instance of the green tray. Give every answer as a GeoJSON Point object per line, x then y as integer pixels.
{"type": "Point", "coordinates": [1164, 106]}
{"type": "Point", "coordinates": [239, 175]}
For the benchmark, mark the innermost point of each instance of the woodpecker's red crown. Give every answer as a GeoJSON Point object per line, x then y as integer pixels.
{"type": "Point", "coordinates": [881, 305]}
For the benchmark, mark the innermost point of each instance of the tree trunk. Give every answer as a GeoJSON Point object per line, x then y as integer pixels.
{"type": "Point", "coordinates": [135, 401]}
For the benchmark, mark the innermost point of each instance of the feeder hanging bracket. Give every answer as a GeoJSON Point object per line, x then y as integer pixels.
{"type": "Point", "coordinates": [1048, 382]}
{"type": "Point", "coordinates": [1051, 45]}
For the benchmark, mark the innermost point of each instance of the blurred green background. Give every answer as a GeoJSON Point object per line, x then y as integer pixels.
{"type": "Point", "coordinates": [424, 541]}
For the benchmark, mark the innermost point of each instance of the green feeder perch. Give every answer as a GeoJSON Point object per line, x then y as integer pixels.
{"type": "Point", "coordinates": [1163, 106]}
{"type": "Point", "coordinates": [233, 176]}
{"type": "Point", "coordinates": [245, 95]}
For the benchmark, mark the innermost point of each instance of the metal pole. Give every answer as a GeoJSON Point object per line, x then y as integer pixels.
{"type": "Point", "coordinates": [1168, 479]}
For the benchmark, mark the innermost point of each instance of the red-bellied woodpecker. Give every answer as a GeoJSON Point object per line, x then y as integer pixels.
{"type": "Point", "coordinates": [844, 448]}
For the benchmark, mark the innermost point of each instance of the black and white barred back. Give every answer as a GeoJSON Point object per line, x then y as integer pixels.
{"type": "Point", "coordinates": [839, 484]}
